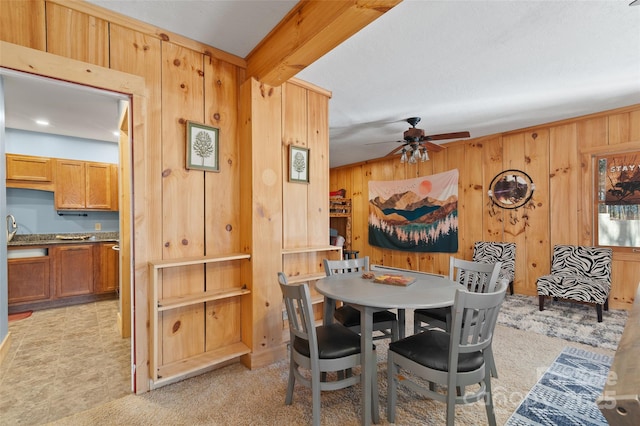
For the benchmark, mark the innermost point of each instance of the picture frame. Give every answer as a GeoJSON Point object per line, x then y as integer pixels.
{"type": "Point", "coordinates": [202, 147]}
{"type": "Point", "coordinates": [298, 164]}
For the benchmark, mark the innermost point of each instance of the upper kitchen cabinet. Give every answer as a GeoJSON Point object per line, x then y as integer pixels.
{"type": "Point", "coordinates": [84, 185]}
{"type": "Point", "coordinates": [26, 171]}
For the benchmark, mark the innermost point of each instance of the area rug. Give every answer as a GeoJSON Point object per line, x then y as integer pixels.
{"type": "Point", "coordinates": [566, 393]}
{"type": "Point", "coordinates": [574, 322]}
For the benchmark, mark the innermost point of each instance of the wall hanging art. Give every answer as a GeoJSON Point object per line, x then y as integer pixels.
{"type": "Point", "coordinates": [419, 214]}
{"type": "Point", "coordinates": [202, 147]}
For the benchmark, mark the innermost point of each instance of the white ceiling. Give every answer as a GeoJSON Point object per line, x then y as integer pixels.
{"type": "Point", "coordinates": [481, 66]}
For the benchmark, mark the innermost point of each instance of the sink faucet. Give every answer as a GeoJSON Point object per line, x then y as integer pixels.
{"type": "Point", "coordinates": [12, 227]}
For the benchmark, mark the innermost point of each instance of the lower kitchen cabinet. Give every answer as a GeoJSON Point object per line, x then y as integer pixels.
{"type": "Point", "coordinates": [54, 275]}
{"type": "Point", "coordinates": [106, 268]}
{"type": "Point", "coordinates": [29, 279]}
{"type": "Point", "coordinates": [73, 269]}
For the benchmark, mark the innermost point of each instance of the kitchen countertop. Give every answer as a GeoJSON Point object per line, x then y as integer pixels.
{"type": "Point", "coordinates": [25, 240]}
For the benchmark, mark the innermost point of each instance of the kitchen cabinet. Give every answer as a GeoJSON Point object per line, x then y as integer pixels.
{"type": "Point", "coordinates": [29, 278]}
{"type": "Point", "coordinates": [106, 268]}
{"type": "Point", "coordinates": [73, 270]}
{"type": "Point", "coordinates": [31, 172]}
{"type": "Point", "coordinates": [83, 185]}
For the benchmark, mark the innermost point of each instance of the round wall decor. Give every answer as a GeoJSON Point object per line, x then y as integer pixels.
{"type": "Point", "coordinates": [511, 189]}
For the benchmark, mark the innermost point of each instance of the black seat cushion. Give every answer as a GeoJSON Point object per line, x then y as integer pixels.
{"type": "Point", "coordinates": [350, 316]}
{"type": "Point", "coordinates": [439, 314]}
{"type": "Point", "coordinates": [334, 341]}
{"type": "Point", "coordinates": [431, 349]}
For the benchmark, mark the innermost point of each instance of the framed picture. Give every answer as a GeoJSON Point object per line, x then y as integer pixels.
{"type": "Point", "coordinates": [298, 164]}
{"type": "Point", "coordinates": [202, 147]}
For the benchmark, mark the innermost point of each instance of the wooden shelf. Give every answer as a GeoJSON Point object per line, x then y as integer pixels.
{"type": "Point", "coordinates": [183, 368]}
{"type": "Point", "coordinates": [305, 278]}
{"type": "Point", "coordinates": [186, 261]}
{"type": "Point", "coordinates": [174, 371]}
{"type": "Point", "coordinates": [207, 296]}
{"type": "Point", "coordinates": [311, 249]}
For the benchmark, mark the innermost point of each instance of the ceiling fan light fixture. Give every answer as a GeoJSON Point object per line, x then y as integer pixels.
{"type": "Point", "coordinates": [425, 155]}
{"type": "Point", "coordinates": [403, 158]}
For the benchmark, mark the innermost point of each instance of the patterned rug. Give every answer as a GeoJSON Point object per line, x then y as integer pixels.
{"type": "Point", "coordinates": [574, 322]}
{"type": "Point", "coordinates": [566, 393]}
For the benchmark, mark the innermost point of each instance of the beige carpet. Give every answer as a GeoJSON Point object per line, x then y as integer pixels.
{"type": "Point", "coordinates": [235, 395]}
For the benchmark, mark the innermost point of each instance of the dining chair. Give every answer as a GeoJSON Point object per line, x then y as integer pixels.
{"type": "Point", "coordinates": [476, 277]}
{"type": "Point", "coordinates": [320, 350]}
{"type": "Point", "coordinates": [385, 322]}
{"type": "Point", "coordinates": [447, 362]}
{"type": "Point", "coordinates": [492, 252]}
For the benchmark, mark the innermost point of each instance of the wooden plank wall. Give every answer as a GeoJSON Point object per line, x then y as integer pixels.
{"type": "Point", "coordinates": [555, 155]}
{"type": "Point", "coordinates": [183, 213]}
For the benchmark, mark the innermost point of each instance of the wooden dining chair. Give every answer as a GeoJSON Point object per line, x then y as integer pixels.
{"type": "Point", "coordinates": [385, 322]}
{"type": "Point", "coordinates": [453, 360]}
{"type": "Point", "coordinates": [476, 277]}
{"type": "Point", "coordinates": [319, 355]}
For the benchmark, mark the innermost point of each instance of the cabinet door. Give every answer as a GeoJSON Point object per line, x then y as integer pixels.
{"type": "Point", "coordinates": [29, 279]}
{"type": "Point", "coordinates": [98, 186]}
{"type": "Point", "coordinates": [29, 168]}
{"type": "Point", "coordinates": [106, 271]}
{"type": "Point", "coordinates": [70, 185]}
{"type": "Point", "coordinates": [73, 266]}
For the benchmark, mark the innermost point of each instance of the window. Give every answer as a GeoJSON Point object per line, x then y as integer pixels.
{"type": "Point", "coordinates": [617, 202]}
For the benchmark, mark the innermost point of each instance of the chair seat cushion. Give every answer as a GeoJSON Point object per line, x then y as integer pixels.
{"type": "Point", "coordinates": [439, 314]}
{"type": "Point", "coordinates": [334, 341]}
{"type": "Point", "coordinates": [574, 287]}
{"type": "Point", "coordinates": [431, 349]}
{"type": "Point", "coordinates": [350, 316]}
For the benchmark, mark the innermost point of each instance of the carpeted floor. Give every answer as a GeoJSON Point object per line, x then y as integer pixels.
{"type": "Point", "coordinates": [574, 322]}
{"type": "Point", "coordinates": [235, 395]}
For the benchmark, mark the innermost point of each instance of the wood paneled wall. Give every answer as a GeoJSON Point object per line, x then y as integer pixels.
{"type": "Point", "coordinates": [557, 156]}
{"type": "Point", "coordinates": [180, 213]}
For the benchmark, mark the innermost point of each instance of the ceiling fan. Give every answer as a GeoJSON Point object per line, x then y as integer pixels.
{"type": "Point", "coordinates": [417, 143]}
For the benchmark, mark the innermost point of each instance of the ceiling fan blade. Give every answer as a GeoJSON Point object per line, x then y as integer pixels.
{"type": "Point", "coordinates": [443, 136]}
{"type": "Point", "coordinates": [378, 143]}
{"type": "Point", "coordinates": [432, 147]}
{"type": "Point", "coordinates": [395, 150]}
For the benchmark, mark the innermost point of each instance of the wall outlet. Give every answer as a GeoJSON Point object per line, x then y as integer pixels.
{"type": "Point", "coordinates": [98, 226]}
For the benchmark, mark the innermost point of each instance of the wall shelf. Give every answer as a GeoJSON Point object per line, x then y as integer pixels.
{"type": "Point", "coordinates": [186, 367]}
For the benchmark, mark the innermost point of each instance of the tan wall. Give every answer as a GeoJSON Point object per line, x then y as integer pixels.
{"type": "Point", "coordinates": [180, 213]}
{"type": "Point", "coordinates": [556, 156]}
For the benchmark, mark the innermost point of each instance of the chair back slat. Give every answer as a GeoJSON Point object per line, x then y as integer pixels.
{"type": "Point", "coordinates": [297, 301]}
{"type": "Point", "coordinates": [474, 276]}
{"type": "Point", "coordinates": [474, 318]}
{"type": "Point", "coordinates": [332, 267]}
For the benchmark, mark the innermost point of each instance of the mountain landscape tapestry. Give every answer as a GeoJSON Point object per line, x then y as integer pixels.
{"type": "Point", "coordinates": [418, 214]}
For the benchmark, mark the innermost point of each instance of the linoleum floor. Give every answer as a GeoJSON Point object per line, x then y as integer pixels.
{"type": "Point", "coordinates": [63, 361]}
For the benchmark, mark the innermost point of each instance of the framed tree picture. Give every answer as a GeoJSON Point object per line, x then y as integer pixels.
{"type": "Point", "coordinates": [202, 147]}
{"type": "Point", "coordinates": [298, 164]}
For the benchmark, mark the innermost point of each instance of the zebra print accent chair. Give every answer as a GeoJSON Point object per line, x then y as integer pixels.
{"type": "Point", "coordinates": [492, 252]}
{"type": "Point", "coordinates": [579, 273]}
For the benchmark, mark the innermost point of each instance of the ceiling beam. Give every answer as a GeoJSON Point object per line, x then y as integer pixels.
{"type": "Point", "coordinates": [311, 29]}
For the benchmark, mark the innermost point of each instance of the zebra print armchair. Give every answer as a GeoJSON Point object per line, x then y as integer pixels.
{"type": "Point", "coordinates": [492, 252]}
{"type": "Point", "coordinates": [579, 273]}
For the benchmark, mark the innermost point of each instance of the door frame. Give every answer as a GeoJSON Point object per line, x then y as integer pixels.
{"type": "Point", "coordinates": [36, 62]}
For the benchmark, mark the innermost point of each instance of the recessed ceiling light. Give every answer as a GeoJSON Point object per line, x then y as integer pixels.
{"type": "Point", "coordinates": [42, 122]}
{"type": "Point", "coordinates": [116, 133]}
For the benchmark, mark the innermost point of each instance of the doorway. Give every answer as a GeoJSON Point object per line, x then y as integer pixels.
{"type": "Point", "coordinates": [80, 113]}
